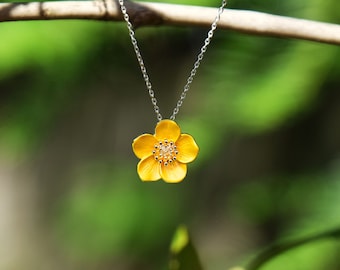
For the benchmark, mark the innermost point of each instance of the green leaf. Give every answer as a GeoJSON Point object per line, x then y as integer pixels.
{"type": "Point", "coordinates": [183, 252]}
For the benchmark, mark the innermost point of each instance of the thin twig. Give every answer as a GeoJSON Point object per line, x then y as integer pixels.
{"type": "Point", "coordinates": [278, 249]}
{"type": "Point", "coordinates": [147, 13]}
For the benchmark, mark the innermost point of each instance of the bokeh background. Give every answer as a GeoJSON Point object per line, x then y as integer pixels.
{"type": "Point", "coordinates": [264, 111]}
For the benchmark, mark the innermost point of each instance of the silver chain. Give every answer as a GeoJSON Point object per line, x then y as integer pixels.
{"type": "Point", "coordinates": [192, 72]}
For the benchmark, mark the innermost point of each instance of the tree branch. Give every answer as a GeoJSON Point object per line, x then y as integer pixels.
{"type": "Point", "coordinates": [146, 13]}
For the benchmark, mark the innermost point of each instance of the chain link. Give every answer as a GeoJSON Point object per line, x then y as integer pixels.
{"type": "Point", "coordinates": [192, 72]}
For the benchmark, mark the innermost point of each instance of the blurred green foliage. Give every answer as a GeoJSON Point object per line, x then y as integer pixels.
{"type": "Point", "coordinates": [247, 87]}
{"type": "Point", "coordinates": [47, 56]}
{"type": "Point", "coordinates": [106, 219]}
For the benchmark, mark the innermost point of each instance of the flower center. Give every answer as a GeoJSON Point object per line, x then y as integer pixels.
{"type": "Point", "coordinates": [165, 152]}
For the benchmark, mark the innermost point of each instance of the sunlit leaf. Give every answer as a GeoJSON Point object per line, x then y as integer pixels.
{"type": "Point", "coordinates": [184, 255]}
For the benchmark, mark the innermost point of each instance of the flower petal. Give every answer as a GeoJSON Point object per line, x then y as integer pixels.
{"type": "Point", "coordinates": [187, 148]}
{"type": "Point", "coordinates": [143, 145]}
{"type": "Point", "coordinates": [148, 169]}
{"type": "Point", "coordinates": [167, 129]}
{"type": "Point", "coordinates": [174, 172]}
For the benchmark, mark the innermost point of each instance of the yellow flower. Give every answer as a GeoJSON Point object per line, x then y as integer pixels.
{"type": "Point", "coordinates": [165, 154]}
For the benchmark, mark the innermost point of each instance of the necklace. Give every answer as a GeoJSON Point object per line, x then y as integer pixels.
{"type": "Point", "coordinates": [165, 154]}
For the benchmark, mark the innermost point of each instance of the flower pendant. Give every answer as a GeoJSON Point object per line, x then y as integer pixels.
{"type": "Point", "coordinates": [165, 154]}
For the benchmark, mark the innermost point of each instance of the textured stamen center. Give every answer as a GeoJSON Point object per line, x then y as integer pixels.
{"type": "Point", "coordinates": [165, 152]}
